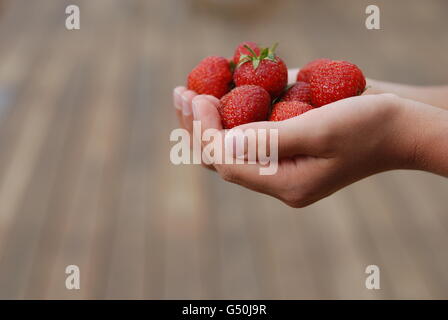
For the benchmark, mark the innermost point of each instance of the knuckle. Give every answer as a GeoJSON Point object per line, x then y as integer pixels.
{"type": "Point", "coordinates": [299, 203]}
{"type": "Point", "coordinates": [296, 204]}
{"type": "Point", "coordinates": [389, 95]}
{"type": "Point", "coordinates": [293, 204]}
{"type": "Point", "coordinates": [293, 199]}
{"type": "Point", "coordinates": [227, 173]}
{"type": "Point", "coordinates": [298, 197]}
{"type": "Point", "coordinates": [387, 98]}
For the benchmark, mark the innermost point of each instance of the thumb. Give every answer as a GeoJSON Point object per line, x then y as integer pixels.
{"type": "Point", "coordinates": [295, 136]}
{"type": "Point", "coordinates": [205, 110]}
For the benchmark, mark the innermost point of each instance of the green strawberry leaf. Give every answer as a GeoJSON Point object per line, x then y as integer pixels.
{"type": "Point", "coordinates": [365, 89]}
{"type": "Point", "coordinates": [276, 100]}
{"type": "Point", "coordinates": [289, 86]}
{"type": "Point", "coordinates": [271, 57]}
{"type": "Point", "coordinates": [232, 66]}
{"type": "Point", "coordinates": [243, 60]}
{"type": "Point", "coordinates": [264, 53]}
{"type": "Point", "coordinates": [252, 52]}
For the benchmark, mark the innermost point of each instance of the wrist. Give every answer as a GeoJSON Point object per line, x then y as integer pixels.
{"type": "Point", "coordinates": [398, 142]}
{"type": "Point", "coordinates": [425, 139]}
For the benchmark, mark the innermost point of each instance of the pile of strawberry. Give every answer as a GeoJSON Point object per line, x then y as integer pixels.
{"type": "Point", "coordinates": [253, 85]}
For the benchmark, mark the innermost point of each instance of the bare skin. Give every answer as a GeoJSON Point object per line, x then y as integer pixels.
{"type": "Point", "coordinates": [333, 146]}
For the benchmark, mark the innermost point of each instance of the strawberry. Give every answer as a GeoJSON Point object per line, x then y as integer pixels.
{"type": "Point", "coordinates": [335, 80]}
{"type": "Point", "coordinates": [305, 73]}
{"type": "Point", "coordinates": [211, 76]}
{"type": "Point", "coordinates": [300, 91]}
{"type": "Point", "coordinates": [242, 50]}
{"type": "Point", "coordinates": [285, 110]}
{"type": "Point", "coordinates": [265, 70]}
{"type": "Point", "coordinates": [244, 104]}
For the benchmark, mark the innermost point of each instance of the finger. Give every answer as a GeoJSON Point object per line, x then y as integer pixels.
{"type": "Point", "coordinates": [177, 101]}
{"type": "Point", "coordinates": [187, 114]}
{"type": "Point", "coordinates": [301, 135]}
{"type": "Point", "coordinates": [205, 110]}
{"type": "Point", "coordinates": [215, 101]}
{"type": "Point", "coordinates": [292, 75]}
{"type": "Point", "coordinates": [211, 134]}
{"type": "Point", "coordinates": [247, 175]}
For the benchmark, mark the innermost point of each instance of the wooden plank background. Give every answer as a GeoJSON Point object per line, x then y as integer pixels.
{"type": "Point", "coordinates": [85, 176]}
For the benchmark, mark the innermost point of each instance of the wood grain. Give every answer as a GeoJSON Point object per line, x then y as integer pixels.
{"type": "Point", "coordinates": [85, 176]}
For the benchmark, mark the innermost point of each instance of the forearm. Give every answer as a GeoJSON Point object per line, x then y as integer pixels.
{"type": "Point", "coordinates": [426, 130]}
{"type": "Point", "coordinates": [433, 95]}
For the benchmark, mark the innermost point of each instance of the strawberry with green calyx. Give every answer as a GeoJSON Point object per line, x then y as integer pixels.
{"type": "Point", "coordinates": [266, 70]}
{"type": "Point", "coordinates": [255, 56]}
{"type": "Point", "coordinates": [241, 49]}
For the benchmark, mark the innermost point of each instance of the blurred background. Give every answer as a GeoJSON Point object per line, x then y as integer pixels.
{"type": "Point", "coordinates": [85, 175]}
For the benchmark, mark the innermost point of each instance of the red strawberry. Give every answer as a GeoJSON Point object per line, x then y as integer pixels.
{"type": "Point", "coordinates": [265, 70]}
{"type": "Point", "coordinates": [334, 81]}
{"type": "Point", "coordinates": [300, 91]}
{"type": "Point", "coordinates": [290, 109]}
{"type": "Point", "coordinates": [242, 50]}
{"type": "Point", "coordinates": [244, 104]}
{"type": "Point", "coordinates": [305, 73]}
{"type": "Point", "coordinates": [211, 76]}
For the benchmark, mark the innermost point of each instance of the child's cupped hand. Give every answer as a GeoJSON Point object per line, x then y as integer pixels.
{"type": "Point", "coordinates": [324, 149]}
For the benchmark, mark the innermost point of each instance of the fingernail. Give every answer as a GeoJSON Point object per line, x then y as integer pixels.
{"type": "Point", "coordinates": [186, 106]}
{"type": "Point", "coordinates": [177, 99]}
